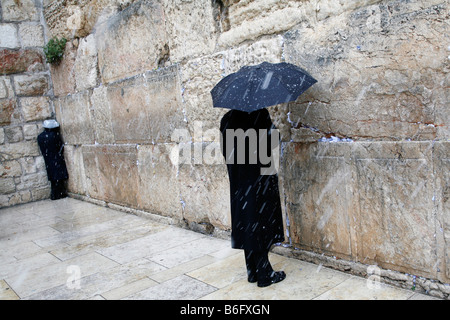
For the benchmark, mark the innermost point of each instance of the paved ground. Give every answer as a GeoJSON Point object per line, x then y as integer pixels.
{"type": "Point", "coordinates": [69, 249]}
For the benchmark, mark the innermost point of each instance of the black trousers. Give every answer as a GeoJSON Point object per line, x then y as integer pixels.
{"type": "Point", "coordinates": [258, 265]}
{"type": "Point", "coordinates": [58, 190]}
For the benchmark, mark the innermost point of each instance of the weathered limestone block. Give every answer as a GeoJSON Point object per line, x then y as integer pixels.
{"type": "Point", "coordinates": [380, 73]}
{"type": "Point", "coordinates": [19, 150]}
{"type": "Point", "coordinates": [35, 108]}
{"type": "Point", "coordinates": [65, 19]}
{"type": "Point", "coordinates": [146, 108]}
{"type": "Point", "coordinates": [7, 185]}
{"type": "Point", "coordinates": [78, 18]}
{"type": "Point", "coordinates": [9, 113]}
{"type": "Point", "coordinates": [40, 193]}
{"type": "Point", "coordinates": [73, 157]}
{"type": "Point", "coordinates": [317, 180]}
{"type": "Point", "coordinates": [86, 69]}
{"type": "Point", "coordinates": [10, 168]}
{"type": "Point", "coordinates": [9, 37]}
{"type": "Point", "coordinates": [132, 41]}
{"type": "Point", "coordinates": [25, 196]}
{"type": "Point", "coordinates": [31, 35]}
{"type": "Point", "coordinates": [102, 116]}
{"type": "Point", "coordinates": [191, 27]}
{"type": "Point", "coordinates": [6, 90]}
{"type": "Point", "coordinates": [198, 77]}
{"type": "Point", "coordinates": [92, 184]}
{"type": "Point", "coordinates": [74, 116]}
{"type": "Point", "coordinates": [28, 165]}
{"type": "Point", "coordinates": [118, 174]}
{"type": "Point", "coordinates": [441, 99]}
{"type": "Point", "coordinates": [14, 134]}
{"type": "Point", "coordinates": [159, 188]}
{"type": "Point", "coordinates": [360, 201]}
{"type": "Point", "coordinates": [205, 192]}
{"type": "Point", "coordinates": [32, 181]}
{"type": "Point", "coordinates": [31, 85]}
{"type": "Point", "coordinates": [264, 50]}
{"type": "Point", "coordinates": [19, 10]}
{"type": "Point", "coordinates": [18, 61]}
{"type": "Point", "coordinates": [329, 8]}
{"type": "Point", "coordinates": [250, 20]}
{"type": "Point", "coordinates": [442, 200]}
{"type": "Point", "coordinates": [30, 131]}
{"type": "Point", "coordinates": [394, 183]}
{"type": "Point", "coordinates": [111, 173]}
{"type": "Point", "coordinates": [63, 74]}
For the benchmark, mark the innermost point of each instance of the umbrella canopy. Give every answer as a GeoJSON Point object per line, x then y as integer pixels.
{"type": "Point", "coordinates": [256, 87]}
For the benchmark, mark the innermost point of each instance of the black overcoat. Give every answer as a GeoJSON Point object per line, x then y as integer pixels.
{"type": "Point", "coordinates": [256, 217]}
{"type": "Point", "coordinates": [52, 148]}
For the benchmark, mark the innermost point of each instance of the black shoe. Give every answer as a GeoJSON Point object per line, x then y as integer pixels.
{"type": "Point", "coordinates": [252, 278]}
{"type": "Point", "coordinates": [275, 277]}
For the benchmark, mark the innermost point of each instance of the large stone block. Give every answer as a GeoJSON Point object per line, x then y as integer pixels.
{"type": "Point", "coordinates": [10, 168]}
{"type": "Point", "coordinates": [9, 113]}
{"type": "Point", "coordinates": [31, 35]}
{"type": "Point", "coordinates": [86, 69]}
{"type": "Point", "coordinates": [198, 77]}
{"type": "Point", "coordinates": [369, 202]}
{"type": "Point", "coordinates": [14, 134]}
{"type": "Point", "coordinates": [18, 61]}
{"type": "Point", "coordinates": [73, 156]}
{"type": "Point", "coordinates": [380, 72]}
{"type": "Point", "coordinates": [111, 173]}
{"type": "Point", "coordinates": [7, 185]}
{"type": "Point", "coordinates": [19, 150]}
{"type": "Point", "coordinates": [191, 34]}
{"type": "Point", "coordinates": [74, 115]}
{"type": "Point", "coordinates": [102, 116]}
{"type": "Point", "coordinates": [79, 18]}
{"type": "Point", "coordinates": [118, 174]}
{"type": "Point", "coordinates": [317, 179]}
{"type": "Point", "coordinates": [146, 108]}
{"type": "Point", "coordinates": [19, 10]}
{"type": "Point", "coordinates": [6, 89]}
{"type": "Point", "coordinates": [132, 41]}
{"type": "Point", "coordinates": [250, 20]}
{"type": "Point", "coordinates": [159, 188]}
{"type": "Point", "coordinates": [395, 188]}
{"type": "Point", "coordinates": [441, 199]}
{"type": "Point", "coordinates": [31, 85]}
{"type": "Point", "coordinates": [205, 193]}
{"type": "Point", "coordinates": [35, 108]}
{"type": "Point", "coordinates": [32, 181]}
{"type": "Point", "coordinates": [9, 37]}
{"type": "Point", "coordinates": [93, 188]}
{"type": "Point", "coordinates": [63, 74]}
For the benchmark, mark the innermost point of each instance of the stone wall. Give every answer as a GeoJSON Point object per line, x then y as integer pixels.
{"type": "Point", "coordinates": [364, 169]}
{"type": "Point", "coordinates": [25, 101]}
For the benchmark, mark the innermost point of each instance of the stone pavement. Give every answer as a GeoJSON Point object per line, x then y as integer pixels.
{"type": "Point", "coordinates": [70, 249]}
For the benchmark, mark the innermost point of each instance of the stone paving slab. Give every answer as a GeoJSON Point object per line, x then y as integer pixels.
{"type": "Point", "coordinates": [70, 249]}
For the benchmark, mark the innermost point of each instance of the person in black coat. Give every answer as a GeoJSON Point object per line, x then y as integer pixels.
{"type": "Point", "coordinates": [256, 217]}
{"type": "Point", "coordinates": [52, 149]}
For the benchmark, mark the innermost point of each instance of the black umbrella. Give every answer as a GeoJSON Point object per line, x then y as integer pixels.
{"type": "Point", "coordinates": [256, 87]}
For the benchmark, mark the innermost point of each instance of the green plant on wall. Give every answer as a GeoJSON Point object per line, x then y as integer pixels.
{"type": "Point", "coordinates": [54, 50]}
